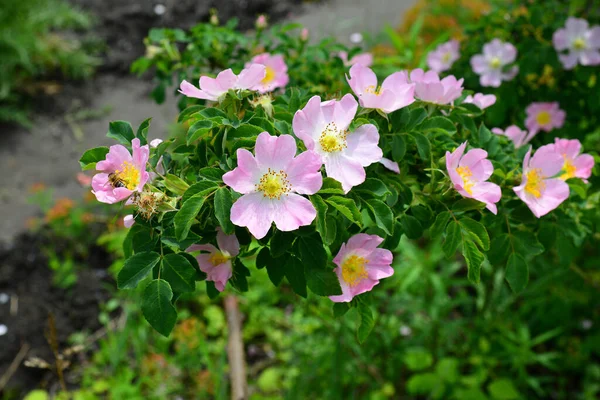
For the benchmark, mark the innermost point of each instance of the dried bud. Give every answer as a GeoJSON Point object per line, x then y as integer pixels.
{"type": "Point", "coordinates": [266, 102]}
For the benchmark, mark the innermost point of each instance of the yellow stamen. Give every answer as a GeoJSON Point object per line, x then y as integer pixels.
{"type": "Point", "coordinates": [372, 90]}
{"type": "Point", "coordinates": [218, 258]}
{"type": "Point", "coordinates": [332, 139]}
{"type": "Point", "coordinates": [535, 182]}
{"type": "Point", "coordinates": [495, 62]}
{"type": "Point", "coordinates": [446, 57]}
{"type": "Point", "coordinates": [129, 174]}
{"type": "Point", "coordinates": [269, 76]}
{"type": "Point", "coordinates": [579, 43]}
{"type": "Point", "coordinates": [274, 184]}
{"type": "Point", "coordinates": [353, 270]}
{"type": "Point", "coordinates": [465, 173]}
{"type": "Point", "coordinates": [569, 169]}
{"type": "Point", "coordinates": [543, 118]}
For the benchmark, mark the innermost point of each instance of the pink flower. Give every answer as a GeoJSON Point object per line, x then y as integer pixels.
{"type": "Point", "coordinates": [122, 173]}
{"type": "Point", "coordinates": [304, 34]}
{"type": "Point", "coordinates": [216, 263]}
{"type": "Point", "coordinates": [442, 58]}
{"type": "Point", "coordinates": [389, 164]}
{"type": "Point", "coordinates": [323, 127]}
{"type": "Point", "coordinates": [261, 22]}
{"type": "Point", "coordinates": [429, 87]}
{"type": "Point", "coordinates": [215, 89]}
{"type": "Point", "coordinates": [84, 179]}
{"type": "Point", "coordinates": [492, 66]}
{"type": "Point", "coordinates": [575, 165]}
{"type": "Point", "coordinates": [270, 182]}
{"type": "Point", "coordinates": [469, 174]}
{"type": "Point", "coordinates": [128, 221]}
{"type": "Point", "coordinates": [544, 116]}
{"type": "Point", "coordinates": [276, 75]}
{"type": "Point", "coordinates": [364, 59]}
{"type": "Point", "coordinates": [581, 42]}
{"type": "Point", "coordinates": [394, 93]}
{"type": "Point", "coordinates": [360, 266]}
{"type": "Point", "coordinates": [481, 100]}
{"type": "Point", "coordinates": [514, 133]}
{"type": "Point", "coordinates": [539, 190]}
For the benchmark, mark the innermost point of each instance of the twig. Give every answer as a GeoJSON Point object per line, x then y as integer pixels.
{"type": "Point", "coordinates": [235, 350]}
{"type": "Point", "coordinates": [14, 365]}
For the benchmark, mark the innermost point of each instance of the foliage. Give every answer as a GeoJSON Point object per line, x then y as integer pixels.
{"type": "Point", "coordinates": [37, 44]}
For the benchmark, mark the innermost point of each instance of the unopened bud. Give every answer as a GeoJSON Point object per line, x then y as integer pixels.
{"type": "Point", "coordinates": [261, 22]}
{"type": "Point", "coordinates": [266, 102]}
{"type": "Point", "coordinates": [304, 35]}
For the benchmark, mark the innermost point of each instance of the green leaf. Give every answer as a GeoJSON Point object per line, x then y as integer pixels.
{"type": "Point", "coordinates": [275, 267]}
{"type": "Point", "coordinates": [526, 244]}
{"type": "Point", "coordinates": [175, 184]}
{"type": "Point", "coordinates": [198, 130]}
{"type": "Point", "coordinates": [503, 389]}
{"type": "Point", "coordinates": [178, 271]}
{"type": "Point", "coordinates": [411, 226]}
{"type": "Point", "coordinates": [142, 131]}
{"type": "Point", "coordinates": [438, 125]}
{"type": "Point", "coordinates": [281, 242]}
{"type": "Point", "coordinates": [157, 307]}
{"type": "Point", "coordinates": [474, 259]}
{"type": "Point", "coordinates": [440, 224]}
{"type": "Point", "coordinates": [212, 174]}
{"type": "Point", "coordinates": [121, 131]}
{"type": "Point", "coordinates": [184, 218]}
{"type": "Point", "coordinates": [223, 203]}
{"type": "Point", "coordinates": [294, 273]}
{"type": "Point", "coordinates": [245, 131]}
{"type": "Point", "coordinates": [476, 231]}
{"type": "Point", "coordinates": [136, 268]}
{"type": "Point", "coordinates": [517, 272]}
{"type": "Point", "coordinates": [374, 187]}
{"type": "Point", "coordinates": [467, 205]}
{"type": "Point", "coordinates": [322, 282]}
{"type": "Point", "coordinates": [89, 159]}
{"type": "Point", "coordinates": [240, 273]}
{"type": "Point", "coordinates": [417, 359]}
{"type": "Point", "coordinates": [211, 290]}
{"type": "Point", "coordinates": [331, 186]}
{"type": "Point", "coordinates": [453, 239]}
{"type": "Point", "coordinates": [499, 249]}
{"type": "Point", "coordinates": [339, 309]}
{"type": "Point", "coordinates": [347, 207]}
{"type": "Point", "coordinates": [484, 135]}
{"type": "Point", "coordinates": [202, 186]}
{"type": "Point", "coordinates": [398, 148]}
{"type": "Point", "coordinates": [321, 220]}
{"type": "Point", "coordinates": [312, 253]}
{"type": "Point", "coordinates": [143, 238]}
{"type": "Point", "coordinates": [423, 146]}
{"type": "Point", "coordinates": [384, 218]}
{"type": "Point", "coordinates": [366, 322]}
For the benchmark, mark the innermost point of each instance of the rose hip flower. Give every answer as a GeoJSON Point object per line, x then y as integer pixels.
{"type": "Point", "coordinates": [215, 89]}
{"type": "Point", "coordinates": [492, 65]}
{"type": "Point", "coordinates": [276, 72]}
{"type": "Point", "coordinates": [216, 263]}
{"type": "Point", "coordinates": [519, 137]}
{"type": "Point", "coordinates": [364, 59]}
{"type": "Point", "coordinates": [469, 174]}
{"type": "Point", "coordinates": [544, 116]}
{"type": "Point", "coordinates": [323, 127]}
{"type": "Point", "coordinates": [389, 164]}
{"type": "Point", "coordinates": [539, 189]}
{"type": "Point", "coordinates": [429, 87]}
{"type": "Point", "coordinates": [394, 93]}
{"type": "Point", "coordinates": [575, 165]}
{"type": "Point", "coordinates": [481, 100]}
{"type": "Point", "coordinates": [121, 173]}
{"type": "Point", "coordinates": [442, 58]}
{"type": "Point", "coordinates": [271, 183]}
{"type": "Point", "coordinates": [360, 266]}
{"type": "Point", "coordinates": [581, 42]}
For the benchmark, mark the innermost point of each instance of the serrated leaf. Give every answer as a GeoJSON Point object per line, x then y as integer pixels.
{"type": "Point", "coordinates": [423, 146]}
{"type": "Point", "coordinates": [340, 309]}
{"type": "Point", "coordinates": [175, 184]}
{"type": "Point", "coordinates": [517, 272]}
{"type": "Point", "coordinates": [202, 186]}
{"type": "Point", "coordinates": [384, 218]}
{"type": "Point", "coordinates": [347, 207]}
{"type": "Point", "coordinates": [89, 159]}
{"type": "Point", "coordinates": [398, 148]}
{"type": "Point", "coordinates": [438, 124]}
{"type": "Point", "coordinates": [157, 307]}
{"type": "Point", "coordinates": [245, 131]}
{"type": "Point", "coordinates": [322, 282]}
{"type": "Point", "coordinates": [281, 242]}
{"type": "Point", "coordinates": [184, 218]}
{"type": "Point", "coordinates": [453, 239]}
{"type": "Point", "coordinates": [312, 253]}
{"type": "Point", "coordinates": [474, 259]}
{"type": "Point", "coordinates": [484, 135]}
{"type": "Point", "coordinates": [178, 271]}
{"type": "Point", "coordinates": [440, 224]}
{"type": "Point", "coordinates": [331, 186]}
{"type": "Point", "coordinates": [294, 273]}
{"type": "Point", "coordinates": [499, 249]}
{"type": "Point", "coordinates": [142, 131]}
{"type": "Point", "coordinates": [374, 187]}
{"type": "Point", "coordinates": [223, 203]}
{"type": "Point", "coordinates": [476, 231]}
{"type": "Point", "coordinates": [467, 205]}
{"type": "Point", "coordinates": [366, 322]}
{"type": "Point", "coordinates": [321, 220]}
{"type": "Point", "coordinates": [239, 280]}
{"type": "Point", "coordinates": [136, 268]}
{"type": "Point", "coordinates": [121, 131]}
{"type": "Point", "coordinates": [198, 130]}
{"type": "Point", "coordinates": [411, 226]}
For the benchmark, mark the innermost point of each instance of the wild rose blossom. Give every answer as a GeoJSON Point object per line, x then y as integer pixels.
{"type": "Point", "coordinates": [360, 266]}
{"type": "Point", "coordinates": [492, 65]}
{"type": "Point", "coordinates": [121, 173]}
{"type": "Point", "coordinates": [442, 58]}
{"type": "Point", "coordinates": [215, 89]}
{"type": "Point", "coordinates": [323, 127]}
{"type": "Point", "coordinates": [518, 136]}
{"type": "Point", "coordinates": [394, 93]}
{"type": "Point", "coordinates": [469, 174]}
{"type": "Point", "coordinates": [481, 100]}
{"type": "Point", "coordinates": [364, 59]}
{"type": "Point", "coordinates": [539, 188]}
{"type": "Point", "coordinates": [271, 182]}
{"type": "Point", "coordinates": [429, 87]}
{"type": "Point", "coordinates": [581, 42]}
{"type": "Point", "coordinates": [389, 164]}
{"type": "Point", "coordinates": [216, 262]}
{"type": "Point", "coordinates": [575, 165]}
{"type": "Point", "coordinates": [276, 75]}
{"type": "Point", "coordinates": [544, 116]}
{"type": "Point", "coordinates": [261, 22]}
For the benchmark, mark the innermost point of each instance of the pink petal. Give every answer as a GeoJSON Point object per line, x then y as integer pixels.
{"type": "Point", "coordinates": [228, 243]}
{"type": "Point", "coordinates": [190, 90]}
{"type": "Point", "coordinates": [548, 160]}
{"type": "Point", "coordinates": [274, 152]}
{"type": "Point", "coordinates": [292, 212]}
{"type": "Point", "coordinates": [345, 170]}
{"type": "Point", "coordinates": [363, 145]}
{"type": "Point", "coordinates": [117, 155]}
{"type": "Point", "coordinates": [255, 212]}
{"type": "Point", "coordinates": [244, 178]}
{"type": "Point", "coordinates": [225, 80]}
{"type": "Point", "coordinates": [308, 122]}
{"type": "Point", "coordinates": [128, 221]}
{"type": "Point", "coordinates": [304, 173]}
{"type": "Point", "coordinates": [346, 295]}
{"type": "Point", "coordinates": [584, 165]}
{"type": "Point", "coordinates": [251, 76]}
{"type": "Point", "coordinates": [391, 165]}
{"type": "Point", "coordinates": [559, 39]}
{"type": "Point", "coordinates": [569, 61]}
{"type": "Point", "coordinates": [344, 111]}
{"type": "Point", "coordinates": [202, 247]}
{"type": "Point", "coordinates": [363, 241]}
{"type": "Point", "coordinates": [488, 193]}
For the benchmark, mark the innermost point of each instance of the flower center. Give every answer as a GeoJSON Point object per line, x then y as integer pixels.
{"type": "Point", "coordinates": [579, 43]}
{"type": "Point", "coordinates": [332, 139]}
{"type": "Point", "coordinates": [465, 173]}
{"type": "Point", "coordinates": [373, 90]}
{"type": "Point", "coordinates": [128, 175]}
{"type": "Point", "coordinates": [218, 258]}
{"type": "Point", "coordinates": [274, 184]}
{"type": "Point", "coordinates": [269, 76]}
{"type": "Point", "coordinates": [495, 62]}
{"type": "Point", "coordinates": [535, 183]}
{"type": "Point", "coordinates": [543, 118]}
{"type": "Point", "coordinates": [353, 270]}
{"type": "Point", "coordinates": [569, 169]}
{"type": "Point", "coordinates": [446, 57]}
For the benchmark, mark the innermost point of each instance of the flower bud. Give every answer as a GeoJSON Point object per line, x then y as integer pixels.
{"type": "Point", "coordinates": [304, 35]}
{"type": "Point", "coordinates": [261, 22]}
{"type": "Point", "coordinates": [266, 102]}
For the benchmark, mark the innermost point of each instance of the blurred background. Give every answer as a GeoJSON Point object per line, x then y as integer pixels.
{"type": "Point", "coordinates": [67, 68]}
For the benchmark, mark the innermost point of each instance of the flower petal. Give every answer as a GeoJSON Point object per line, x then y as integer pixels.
{"type": "Point", "coordinates": [292, 212]}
